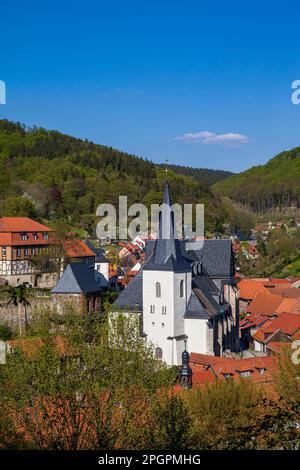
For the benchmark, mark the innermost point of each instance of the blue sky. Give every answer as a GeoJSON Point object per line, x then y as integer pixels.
{"type": "Point", "coordinates": [206, 83]}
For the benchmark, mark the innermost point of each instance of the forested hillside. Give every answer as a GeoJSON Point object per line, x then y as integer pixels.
{"type": "Point", "coordinates": [49, 175]}
{"type": "Point", "coordinates": [205, 176]}
{"type": "Point", "coordinates": [266, 187]}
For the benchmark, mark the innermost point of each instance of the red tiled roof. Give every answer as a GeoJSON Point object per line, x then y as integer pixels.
{"type": "Point", "coordinates": [279, 281]}
{"type": "Point", "coordinates": [11, 229]}
{"type": "Point", "coordinates": [260, 335]}
{"type": "Point", "coordinates": [201, 377]}
{"type": "Point", "coordinates": [285, 290]}
{"type": "Point", "coordinates": [278, 347]}
{"type": "Point", "coordinates": [76, 248]}
{"type": "Point", "coordinates": [249, 287]}
{"type": "Point", "coordinates": [264, 303]}
{"type": "Point", "coordinates": [288, 323]}
{"type": "Point", "coordinates": [5, 239]}
{"type": "Point", "coordinates": [252, 320]}
{"type": "Point", "coordinates": [22, 224]}
{"type": "Point", "coordinates": [130, 247]}
{"type": "Point", "coordinates": [289, 305]}
{"type": "Point", "coordinates": [15, 239]}
{"type": "Point", "coordinates": [222, 366]}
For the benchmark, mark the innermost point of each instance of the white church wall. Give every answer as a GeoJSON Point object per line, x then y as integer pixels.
{"type": "Point", "coordinates": [160, 326]}
{"type": "Point", "coordinates": [180, 347]}
{"type": "Point", "coordinates": [157, 325]}
{"type": "Point", "coordinates": [196, 331]}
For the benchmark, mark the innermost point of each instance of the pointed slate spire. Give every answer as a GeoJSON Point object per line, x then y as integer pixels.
{"type": "Point", "coordinates": [168, 253]}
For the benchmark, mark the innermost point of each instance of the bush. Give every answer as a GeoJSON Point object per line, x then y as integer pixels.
{"type": "Point", "coordinates": [5, 332]}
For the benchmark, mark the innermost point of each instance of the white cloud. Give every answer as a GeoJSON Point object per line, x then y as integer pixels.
{"type": "Point", "coordinates": [205, 137]}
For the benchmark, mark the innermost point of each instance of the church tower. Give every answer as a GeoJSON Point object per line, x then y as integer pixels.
{"type": "Point", "coordinates": [186, 373]}
{"type": "Point", "coordinates": [167, 279]}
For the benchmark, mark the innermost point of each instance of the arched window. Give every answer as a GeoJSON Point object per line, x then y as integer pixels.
{"type": "Point", "coordinates": [157, 289]}
{"type": "Point", "coordinates": [158, 353]}
{"type": "Point", "coordinates": [181, 290]}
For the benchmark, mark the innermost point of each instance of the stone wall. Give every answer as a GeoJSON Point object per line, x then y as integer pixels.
{"type": "Point", "coordinates": [9, 314]}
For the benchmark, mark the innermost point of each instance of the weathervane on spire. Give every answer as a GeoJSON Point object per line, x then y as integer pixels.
{"type": "Point", "coordinates": [166, 167]}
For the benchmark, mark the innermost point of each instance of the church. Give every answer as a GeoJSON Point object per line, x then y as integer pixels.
{"type": "Point", "coordinates": [185, 295]}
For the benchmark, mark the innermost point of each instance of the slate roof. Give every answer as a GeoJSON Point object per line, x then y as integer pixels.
{"type": "Point", "coordinates": [168, 253]}
{"type": "Point", "coordinates": [99, 252]}
{"type": "Point", "coordinates": [195, 308]}
{"type": "Point", "coordinates": [216, 256]}
{"type": "Point", "coordinates": [208, 294]}
{"type": "Point", "coordinates": [132, 296]}
{"type": "Point", "coordinates": [77, 278]}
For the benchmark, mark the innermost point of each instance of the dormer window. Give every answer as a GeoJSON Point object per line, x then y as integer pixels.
{"type": "Point", "coordinates": [24, 236]}
{"type": "Point", "coordinates": [158, 289]}
{"type": "Point", "coordinates": [227, 375]}
{"type": "Point", "coordinates": [199, 267]}
{"type": "Point", "coordinates": [261, 370]}
{"type": "Point", "coordinates": [245, 373]}
{"type": "Point", "coordinates": [195, 270]}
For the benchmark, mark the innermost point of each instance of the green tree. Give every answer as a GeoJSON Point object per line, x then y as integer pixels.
{"type": "Point", "coordinates": [87, 385]}
{"type": "Point", "coordinates": [241, 219]}
{"type": "Point", "coordinates": [171, 423]}
{"type": "Point", "coordinates": [222, 413]}
{"type": "Point", "coordinates": [18, 206]}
